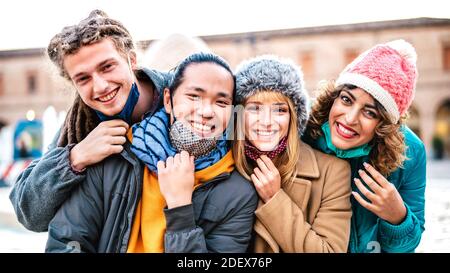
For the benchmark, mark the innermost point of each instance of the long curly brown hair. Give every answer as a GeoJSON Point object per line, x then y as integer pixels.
{"type": "Point", "coordinates": [81, 119]}
{"type": "Point", "coordinates": [388, 145]}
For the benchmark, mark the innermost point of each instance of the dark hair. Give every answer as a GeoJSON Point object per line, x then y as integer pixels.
{"type": "Point", "coordinates": [197, 58]}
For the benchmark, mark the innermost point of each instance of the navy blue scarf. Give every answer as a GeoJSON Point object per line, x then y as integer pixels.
{"type": "Point", "coordinates": [127, 110]}
{"type": "Point", "coordinates": [151, 143]}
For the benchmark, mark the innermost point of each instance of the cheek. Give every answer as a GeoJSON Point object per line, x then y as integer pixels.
{"type": "Point", "coordinates": [335, 111]}
{"type": "Point", "coordinates": [249, 121]}
{"type": "Point", "coordinates": [283, 122]}
{"type": "Point", "coordinates": [85, 95]}
{"type": "Point", "coordinates": [223, 114]}
{"type": "Point", "coordinates": [182, 108]}
{"type": "Point", "coordinates": [369, 127]}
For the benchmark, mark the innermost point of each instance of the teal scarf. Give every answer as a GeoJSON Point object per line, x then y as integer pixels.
{"type": "Point", "coordinates": [324, 143]}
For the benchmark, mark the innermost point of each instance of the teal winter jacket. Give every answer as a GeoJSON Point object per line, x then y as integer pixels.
{"type": "Point", "coordinates": [368, 232]}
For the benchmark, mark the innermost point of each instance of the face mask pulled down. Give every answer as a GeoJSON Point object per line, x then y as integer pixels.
{"type": "Point", "coordinates": [184, 139]}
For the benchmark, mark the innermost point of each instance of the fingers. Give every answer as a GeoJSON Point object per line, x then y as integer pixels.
{"type": "Point", "coordinates": [262, 166]}
{"type": "Point", "coordinates": [364, 190]}
{"type": "Point", "coordinates": [374, 186]}
{"type": "Point", "coordinates": [258, 184]}
{"type": "Point", "coordinates": [117, 131]}
{"type": "Point", "coordinates": [184, 156]}
{"type": "Point", "coordinates": [260, 175]}
{"type": "Point", "coordinates": [379, 178]}
{"type": "Point", "coordinates": [268, 162]}
{"type": "Point", "coordinates": [160, 166]}
{"type": "Point", "coordinates": [363, 202]}
{"type": "Point", "coordinates": [115, 149]}
{"type": "Point", "coordinates": [118, 140]}
{"type": "Point", "coordinates": [177, 159]}
{"type": "Point", "coordinates": [169, 162]}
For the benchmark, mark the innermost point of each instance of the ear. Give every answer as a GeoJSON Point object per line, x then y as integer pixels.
{"type": "Point", "coordinates": [133, 59]}
{"type": "Point", "coordinates": [166, 101]}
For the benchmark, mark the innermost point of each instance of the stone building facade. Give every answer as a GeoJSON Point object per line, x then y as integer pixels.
{"type": "Point", "coordinates": [28, 82]}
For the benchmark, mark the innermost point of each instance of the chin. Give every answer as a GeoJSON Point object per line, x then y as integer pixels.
{"type": "Point", "coordinates": [266, 147]}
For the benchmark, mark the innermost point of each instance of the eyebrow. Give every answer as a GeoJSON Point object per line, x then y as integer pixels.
{"type": "Point", "coordinates": [365, 105]}
{"type": "Point", "coordinates": [98, 65]}
{"type": "Point", "coordinates": [203, 91]}
{"type": "Point", "coordinates": [260, 103]}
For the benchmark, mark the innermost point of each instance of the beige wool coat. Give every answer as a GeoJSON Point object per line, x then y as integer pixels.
{"type": "Point", "coordinates": [310, 214]}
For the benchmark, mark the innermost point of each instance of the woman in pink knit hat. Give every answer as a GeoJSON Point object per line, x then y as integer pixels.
{"type": "Point", "coordinates": [360, 117]}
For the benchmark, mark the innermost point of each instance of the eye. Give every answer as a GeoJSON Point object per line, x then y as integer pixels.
{"type": "Point", "coordinates": [280, 109]}
{"type": "Point", "coordinates": [107, 67]}
{"type": "Point", "coordinates": [370, 114]}
{"type": "Point", "coordinates": [193, 96]}
{"type": "Point", "coordinates": [223, 103]}
{"type": "Point", "coordinates": [81, 80]}
{"type": "Point", "coordinates": [252, 107]}
{"type": "Point", "coordinates": [346, 100]}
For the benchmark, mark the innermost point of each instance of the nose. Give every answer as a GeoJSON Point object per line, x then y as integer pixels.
{"type": "Point", "coordinates": [99, 83]}
{"type": "Point", "coordinates": [265, 116]}
{"type": "Point", "coordinates": [351, 117]}
{"type": "Point", "coordinates": [205, 110]}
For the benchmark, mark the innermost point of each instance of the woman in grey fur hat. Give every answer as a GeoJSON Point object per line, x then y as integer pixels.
{"type": "Point", "coordinates": [304, 194]}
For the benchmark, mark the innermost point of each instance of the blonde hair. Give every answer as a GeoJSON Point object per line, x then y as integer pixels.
{"type": "Point", "coordinates": [388, 145]}
{"type": "Point", "coordinates": [286, 162]}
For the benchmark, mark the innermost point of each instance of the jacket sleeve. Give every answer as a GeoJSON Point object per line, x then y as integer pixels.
{"type": "Point", "coordinates": [77, 224]}
{"type": "Point", "coordinates": [406, 236]}
{"type": "Point", "coordinates": [329, 231]}
{"type": "Point", "coordinates": [43, 186]}
{"type": "Point", "coordinates": [231, 234]}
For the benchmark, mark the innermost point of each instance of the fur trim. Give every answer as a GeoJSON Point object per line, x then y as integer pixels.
{"type": "Point", "coordinates": [269, 73]}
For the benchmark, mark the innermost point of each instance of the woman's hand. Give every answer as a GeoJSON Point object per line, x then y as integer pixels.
{"type": "Point", "coordinates": [266, 178]}
{"type": "Point", "coordinates": [176, 179]}
{"type": "Point", "coordinates": [385, 200]}
{"type": "Point", "coordinates": [106, 139]}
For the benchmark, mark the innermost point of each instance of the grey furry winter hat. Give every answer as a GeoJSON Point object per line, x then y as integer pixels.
{"type": "Point", "coordinates": [270, 73]}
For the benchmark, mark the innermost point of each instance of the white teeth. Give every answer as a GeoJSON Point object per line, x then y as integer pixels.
{"type": "Point", "coordinates": [265, 133]}
{"type": "Point", "coordinates": [201, 127]}
{"type": "Point", "coordinates": [345, 131]}
{"type": "Point", "coordinates": [108, 97]}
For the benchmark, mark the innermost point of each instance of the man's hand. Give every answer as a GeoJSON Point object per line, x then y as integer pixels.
{"type": "Point", "coordinates": [176, 179]}
{"type": "Point", "coordinates": [106, 139]}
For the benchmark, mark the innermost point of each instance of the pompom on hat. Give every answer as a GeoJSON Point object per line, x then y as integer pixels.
{"type": "Point", "coordinates": [270, 73]}
{"type": "Point", "coordinates": [388, 72]}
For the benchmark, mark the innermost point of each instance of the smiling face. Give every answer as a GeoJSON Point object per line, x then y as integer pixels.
{"type": "Point", "coordinates": [266, 119]}
{"type": "Point", "coordinates": [353, 119]}
{"type": "Point", "coordinates": [102, 76]}
{"type": "Point", "coordinates": [203, 100]}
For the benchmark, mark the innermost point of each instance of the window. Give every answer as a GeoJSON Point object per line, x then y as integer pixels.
{"type": "Point", "coordinates": [306, 61]}
{"type": "Point", "coordinates": [446, 55]}
{"type": "Point", "coordinates": [350, 55]}
{"type": "Point", "coordinates": [32, 82]}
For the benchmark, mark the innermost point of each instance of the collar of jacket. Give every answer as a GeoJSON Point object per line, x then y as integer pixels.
{"type": "Point", "coordinates": [307, 164]}
{"type": "Point", "coordinates": [299, 190]}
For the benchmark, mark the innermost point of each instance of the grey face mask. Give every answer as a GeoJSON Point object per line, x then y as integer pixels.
{"type": "Point", "coordinates": [184, 139]}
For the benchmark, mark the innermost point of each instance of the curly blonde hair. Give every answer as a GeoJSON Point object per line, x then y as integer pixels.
{"type": "Point", "coordinates": [388, 145]}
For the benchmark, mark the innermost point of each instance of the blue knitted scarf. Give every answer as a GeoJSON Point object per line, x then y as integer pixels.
{"type": "Point", "coordinates": [151, 143]}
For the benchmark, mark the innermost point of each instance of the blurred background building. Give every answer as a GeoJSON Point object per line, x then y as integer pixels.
{"type": "Point", "coordinates": [30, 87]}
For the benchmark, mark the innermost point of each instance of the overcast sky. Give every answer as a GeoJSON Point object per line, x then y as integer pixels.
{"type": "Point", "coordinates": [30, 24]}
